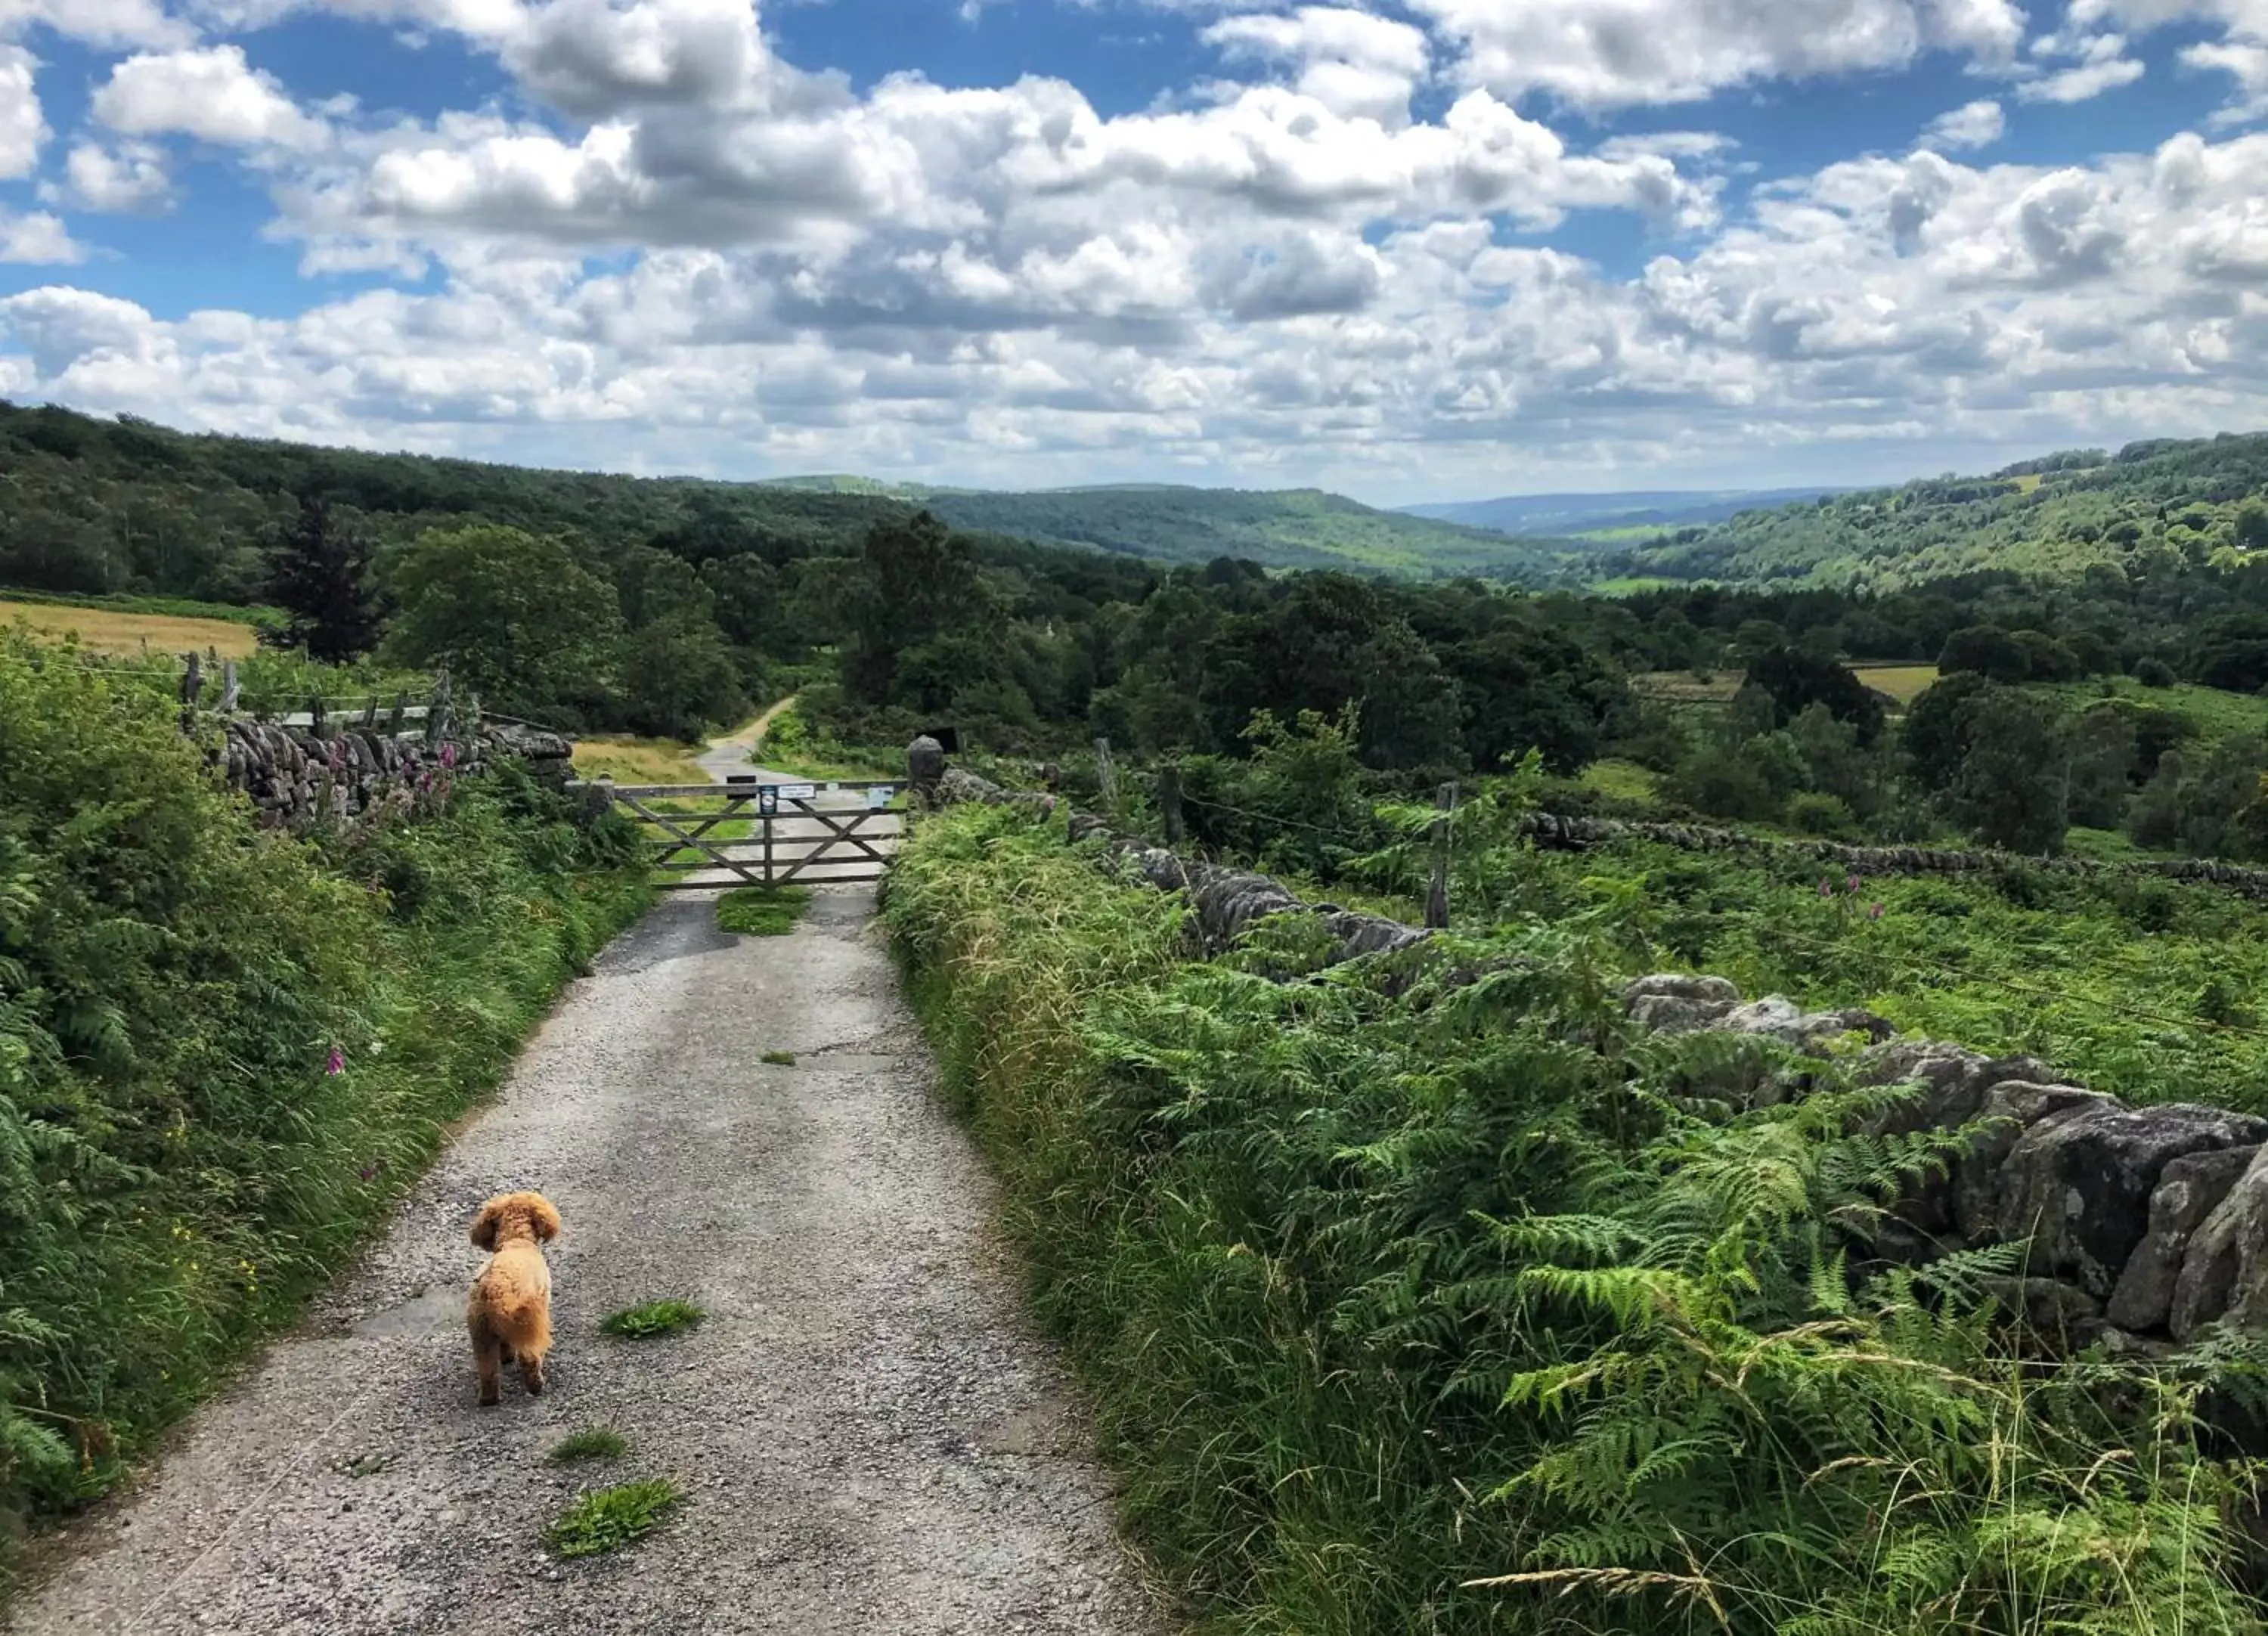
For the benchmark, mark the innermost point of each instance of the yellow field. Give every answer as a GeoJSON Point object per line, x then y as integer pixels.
{"type": "Point", "coordinates": [1902, 682]}
{"type": "Point", "coordinates": [107, 631]}
{"type": "Point", "coordinates": [638, 760]}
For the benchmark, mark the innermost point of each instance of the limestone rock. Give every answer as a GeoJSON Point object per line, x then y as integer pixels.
{"type": "Point", "coordinates": [2224, 1270]}
{"type": "Point", "coordinates": [2007, 1111]}
{"type": "Point", "coordinates": [1679, 985]}
{"type": "Point", "coordinates": [2080, 1186]}
{"type": "Point", "coordinates": [2188, 1190]}
{"type": "Point", "coordinates": [926, 762]}
{"type": "Point", "coordinates": [1775, 1017]}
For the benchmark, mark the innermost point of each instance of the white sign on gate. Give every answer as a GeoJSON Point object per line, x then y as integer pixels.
{"type": "Point", "coordinates": [796, 792]}
{"type": "Point", "coordinates": [878, 797]}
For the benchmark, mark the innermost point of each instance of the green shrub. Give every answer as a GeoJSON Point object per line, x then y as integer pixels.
{"type": "Point", "coordinates": [225, 1051]}
{"type": "Point", "coordinates": [608, 1519]}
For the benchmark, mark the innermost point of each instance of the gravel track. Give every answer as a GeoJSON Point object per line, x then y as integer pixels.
{"type": "Point", "coordinates": [872, 1439]}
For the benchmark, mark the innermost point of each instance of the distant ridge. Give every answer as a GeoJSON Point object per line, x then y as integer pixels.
{"type": "Point", "coordinates": [1567, 516]}
{"type": "Point", "coordinates": [1182, 523]}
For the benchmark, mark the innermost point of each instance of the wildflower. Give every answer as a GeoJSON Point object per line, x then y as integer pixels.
{"type": "Point", "coordinates": [1873, 911]}
{"type": "Point", "coordinates": [449, 754]}
{"type": "Point", "coordinates": [1826, 887]}
{"type": "Point", "coordinates": [1851, 885]}
{"type": "Point", "coordinates": [336, 1063]}
{"type": "Point", "coordinates": [369, 1171]}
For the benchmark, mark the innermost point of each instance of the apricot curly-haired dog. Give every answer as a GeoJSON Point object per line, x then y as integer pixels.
{"type": "Point", "coordinates": [510, 1313]}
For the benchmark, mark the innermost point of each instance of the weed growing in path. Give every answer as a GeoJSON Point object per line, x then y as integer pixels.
{"type": "Point", "coordinates": [608, 1519]}
{"type": "Point", "coordinates": [762, 910]}
{"type": "Point", "coordinates": [778, 1059]}
{"type": "Point", "coordinates": [595, 1442]}
{"type": "Point", "coordinates": [650, 1318]}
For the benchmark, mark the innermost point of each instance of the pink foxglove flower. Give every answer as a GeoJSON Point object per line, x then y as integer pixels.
{"type": "Point", "coordinates": [1873, 911]}
{"type": "Point", "coordinates": [336, 1063]}
{"type": "Point", "coordinates": [1826, 888]}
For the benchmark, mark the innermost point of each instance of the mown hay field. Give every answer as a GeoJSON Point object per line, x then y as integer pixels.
{"type": "Point", "coordinates": [111, 631]}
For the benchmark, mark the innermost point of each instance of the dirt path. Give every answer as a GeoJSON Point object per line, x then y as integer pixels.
{"type": "Point", "coordinates": [872, 1440]}
{"type": "Point", "coordinates": [729, 755]}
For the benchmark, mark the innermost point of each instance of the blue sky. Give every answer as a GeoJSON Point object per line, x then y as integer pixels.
{"type": "Point", "coordinates": [1431, 250]}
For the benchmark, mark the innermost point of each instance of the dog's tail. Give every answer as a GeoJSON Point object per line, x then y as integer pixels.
{"type": "Point", "coordinates": [521, 1321]}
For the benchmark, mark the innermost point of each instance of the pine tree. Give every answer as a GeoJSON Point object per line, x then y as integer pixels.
{"type": "Point", "coordinates": [321, 576]}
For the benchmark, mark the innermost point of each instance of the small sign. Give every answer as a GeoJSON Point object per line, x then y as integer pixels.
{"type": "Point", "coordinates": [878, 797]}
{"type": "Point", "coordinates": [795, 792]}
{"type": "Point", "coordinates": [768, 799]}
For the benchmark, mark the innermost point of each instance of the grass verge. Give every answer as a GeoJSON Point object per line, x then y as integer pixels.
{"type": "Point", "coordinates": [762, 910]}
{"type": "Point", "coordinates": [225, 1052]}
{"type": "Point", "coordinates": [608, 1519]}
{"type": "Point", "coordinates": [652, 1318]}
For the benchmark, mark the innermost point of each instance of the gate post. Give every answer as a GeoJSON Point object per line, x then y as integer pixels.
{"type": "Point", "coordinates": [926, 769]}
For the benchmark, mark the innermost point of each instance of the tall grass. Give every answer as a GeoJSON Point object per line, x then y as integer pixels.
{"type": "Point", "coordinates": [1452, 1305]}
{"type": "Point", "coordinates": [223, 1052]}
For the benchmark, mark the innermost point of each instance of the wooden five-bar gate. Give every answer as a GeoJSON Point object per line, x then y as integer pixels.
{"type": "Point", "coordinates": [765, 832]}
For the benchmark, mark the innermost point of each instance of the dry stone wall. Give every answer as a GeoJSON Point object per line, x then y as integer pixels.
{"type": "Point", "coordinates": [2144, 1226]}
{"type": "Point", "coordinates": [1561, 833]}
{"type": "Point", "coordinates": [296, 776]}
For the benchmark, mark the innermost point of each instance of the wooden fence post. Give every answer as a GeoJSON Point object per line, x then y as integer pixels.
{"type": "Point", "coordinates": [193, 678]}
{"type": "Point", "coordinates": [437, 713]}
{"type": "Point", "coordinates": [1105, 774]}
{"type": "Point", "coordinates": [393, 722]}
{"type": "Point", "coordinates": [1169, 802]}
{"type": "Point", "coordinates": [228, 686]}
{"type": "Point", "coordinates": [319, 717]}
{"type": "Point", "coordinates": [1437, 896]}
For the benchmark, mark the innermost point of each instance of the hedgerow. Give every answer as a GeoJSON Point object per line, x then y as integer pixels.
{"type": "Point", "coordinates": [1452, 1304]}
{"type": "Point", "coordinates": [224, 1051]}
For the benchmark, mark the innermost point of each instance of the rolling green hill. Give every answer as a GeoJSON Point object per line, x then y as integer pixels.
{"type": "Point", "coordinates": [2144, 511]}
{"type": "Point", "coordinates": [1285, 528]}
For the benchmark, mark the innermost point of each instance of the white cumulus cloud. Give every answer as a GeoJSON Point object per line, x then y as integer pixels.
{"type": "Point", "coordinates": [128, 178]}
{"type": "Point", "coordinates": [1353, 63]}
{"type": "Point", "coordinates": [23, 129]}
{"type": "Point", "coordinates": [113, 23]}
{"type": "Point", "coordinates": [36, 236]}
{"type": "Point", "coordinates": [212, 93]}
{"type": "Point", "coordinates": [1605, 54]}
{"type": "Point", "coordinates": [1972, 125]}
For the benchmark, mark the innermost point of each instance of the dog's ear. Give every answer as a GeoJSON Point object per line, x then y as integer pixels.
{"type": "Point", "coordinates": [542, 1218]}
{"type": "Point", "coordinates": [485, 1225]}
